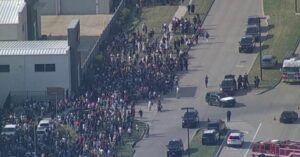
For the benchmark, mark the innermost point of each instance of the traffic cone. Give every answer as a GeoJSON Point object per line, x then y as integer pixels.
{"type": "Point", "coordinates": [274, 118]}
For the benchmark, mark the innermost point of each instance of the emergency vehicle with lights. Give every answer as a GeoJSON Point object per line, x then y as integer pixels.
{"type": "Point", "coordinates": [291, 70]}
{"type": "Point", "coordinates": [276, 148]}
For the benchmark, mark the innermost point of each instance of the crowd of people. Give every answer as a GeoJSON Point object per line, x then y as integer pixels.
{"type": "Point", "coordinates": [137, 66]}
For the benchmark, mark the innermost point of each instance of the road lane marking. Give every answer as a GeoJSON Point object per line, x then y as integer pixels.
{"type": "Point", "coordinates": [253, 140]}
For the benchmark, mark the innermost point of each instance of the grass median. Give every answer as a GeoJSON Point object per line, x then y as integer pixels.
{"type": "Point", "coordinates": [126, 148]}
{"type": "Point", "coordinates": [197, 149]}
{"type": "Point", "coordinates": [283, 33]}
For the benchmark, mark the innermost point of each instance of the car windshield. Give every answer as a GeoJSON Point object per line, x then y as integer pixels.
{"type": "Point", "coordinates": [234, 137]}
{"type": "Point", "coordinates": [253, 20]}
{"type": "Point", "coordinates": [212, 125]}
{"type": "Point", "coordinates": [189, 115]}
{"type": "Point", "coordinates": [207, 135]}
{"type": "Point", "coordinates": [252, 30]}
{"type": "Point", "coordinates": [44, 125]}
{"type": "Point", "coordinates": [173, 144]}
{"type": "Point", "coordinates": [226, 83]}
{"type": "Point", "coordinates": [291, 69]}
{"type": "Point", "coordinates": [288, 114]}
{"type": "Point", "coordinates": [8, 129]}
{"type": "Point", "coordinates": [267, 60]}
{"type": "Point", "coordinates": [246, 41]}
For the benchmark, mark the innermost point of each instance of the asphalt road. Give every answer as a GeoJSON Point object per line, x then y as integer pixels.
{"type": "Point", "coordinates": [254, 114]}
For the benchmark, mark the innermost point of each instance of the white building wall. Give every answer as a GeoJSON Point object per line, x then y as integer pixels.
{"type": "Point", "coordinates": [22, 75]}
{"type": "Point", "coordinates": [8, 32]}
{"type": "Point", "coordinates": [15, 31]}
{"type": "Point", "coordinates": [22, 27]}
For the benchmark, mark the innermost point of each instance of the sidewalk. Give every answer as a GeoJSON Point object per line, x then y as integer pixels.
{"type": "Point", "coordinates": [148, 116]}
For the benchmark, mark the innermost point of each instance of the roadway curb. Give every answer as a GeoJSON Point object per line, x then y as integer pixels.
{"type": "Point", "coordinates": [138, 140]}
{"type": "Point", "coordinates": [268, 89]}
{"type": "Point", "coordinates": [223, 144]}
{"type": "Point", "coordinates": [211, 4]}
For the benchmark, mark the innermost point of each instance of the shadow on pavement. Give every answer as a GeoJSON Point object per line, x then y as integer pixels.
{"type": "Point", "coordinates": [238, 105]}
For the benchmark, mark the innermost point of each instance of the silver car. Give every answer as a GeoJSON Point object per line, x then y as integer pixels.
{"type": "Point", "coordinates": [268, 61]}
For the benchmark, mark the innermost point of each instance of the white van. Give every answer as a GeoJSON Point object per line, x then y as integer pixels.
{"type": "Point", "coordinates": [9, 130]}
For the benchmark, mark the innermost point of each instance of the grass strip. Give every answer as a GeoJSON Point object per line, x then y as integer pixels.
{"type": "Point", "coordinates": [283, 32]}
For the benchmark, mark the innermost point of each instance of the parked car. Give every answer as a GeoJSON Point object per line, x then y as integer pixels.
{"type": "Point", "coordinates": [253, 20]}
{"type": "Point", "coordinates": [219, 99]}
{"type": "Point", "coordinates": [218, 125]}
{"type": "Point", "coordinates": [228, 85]}
{"type": "Point", "coordinates": [235, 139]}
{"type": "Point", "coordinates": [247, 44]}
{"type": "Point", "coordinates": [210, 137]}
{"type": "Point", "coordinates": [9, 130]}
{"type": "Point", "coordinates": [190, 119]}
{"type": "Point", "coordinates": [269, 61]}
{"type": "Point", "coordinates": [288, 117]}
{"type": "Point", "coordinates": [253, 30]}
{"type": "Point", "coordinates": [175, 148]}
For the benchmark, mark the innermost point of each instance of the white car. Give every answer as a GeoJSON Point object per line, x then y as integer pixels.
{"type": "Point", "coordinates": [235, 139]}
{"type": "Point", "coordinates": [9, 130]}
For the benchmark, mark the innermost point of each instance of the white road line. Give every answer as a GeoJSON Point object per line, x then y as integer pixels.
{"type": "Point", "coordinates": [252, 140]}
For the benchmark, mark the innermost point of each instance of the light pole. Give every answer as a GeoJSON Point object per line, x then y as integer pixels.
{"type": "Point", "coordinates": [260, 48]}
{"type": "Point", "coordinates": [188, 129]}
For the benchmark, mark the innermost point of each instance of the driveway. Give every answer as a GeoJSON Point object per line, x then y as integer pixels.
{"type": "Point", "coordinates": [225, 23]}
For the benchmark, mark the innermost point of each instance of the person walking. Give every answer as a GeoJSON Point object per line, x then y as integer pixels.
{"type": "Point", "coordinates": [141, 113]}
{"type": "Point", "coordinates": [206, 81]}
{"type": "Point", "coordinates": [177, 91]}
{"type": "Point", "coordinates": [228, 116]}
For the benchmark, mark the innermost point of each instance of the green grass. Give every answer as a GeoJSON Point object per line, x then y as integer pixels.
{"type": "Point", "coordinates": [298, 6]}
{"type": "Point", "coordinates": [284, 33]}
{"type": "Point", "coordinates": [199, 150]}
{"type": "Point", "coordinates": [126, 150]}
{"type": "Point", "coordinates": [201, 7]}
{"type": "Point", "coordinates": [155, 16]}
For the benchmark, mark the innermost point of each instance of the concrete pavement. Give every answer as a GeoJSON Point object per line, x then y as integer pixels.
{"type": "Point", "coordinates": [225, 23]}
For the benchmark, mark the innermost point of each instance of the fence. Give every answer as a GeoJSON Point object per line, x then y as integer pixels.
{"type": "Point", "coordinates": [18, 97]}
{"type": "Point", "coordinates": [102, 39]}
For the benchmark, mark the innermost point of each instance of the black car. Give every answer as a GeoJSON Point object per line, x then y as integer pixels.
{"type": "Point", "coordinates": [228, 85]}
{"type": "Point", "coordinates": [210, 137]}
{"type": "Point", "coordinates": [247, 44]}
{"type": "Point", "coordinates": [253, 30]}
{"type": "Point", "coordinates": [175, 148]}
{"type": "Point", "coordinates": [219, 99]}
{"type": "Point", "coordinates": [190, 119]}
{"type": "Point", "coordinates": [288, 117]}
{"type": "Point", "coordinates": [218, 125]}
{"type": "Point", "coordinates": [253, 20]}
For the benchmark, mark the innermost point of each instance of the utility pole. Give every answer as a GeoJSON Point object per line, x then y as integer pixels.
{"type": "Point", "coordinates": [188, 129]}
{"type": "Point", "coordinates": [260, 49]}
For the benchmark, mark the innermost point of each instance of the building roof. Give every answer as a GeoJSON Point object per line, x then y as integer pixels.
{"type": "Point", "coordinates": [9, 11]}
{"type": "Point", "coordinates": [90, 25]}
{"type": "Point", "coordinates": [44, 47]}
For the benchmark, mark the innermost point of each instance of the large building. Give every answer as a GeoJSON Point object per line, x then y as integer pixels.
{"type": "Point", "coordinates": [35, 65]}
{"type": "Point", "coordinates": [74, 7]}
{"type": "Point", "coordinates": [13, 20]}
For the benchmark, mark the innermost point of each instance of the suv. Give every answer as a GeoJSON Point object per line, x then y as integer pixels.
{"type": "Point", "coordinates": [218, 125]}
{"type": "Point", "coordinates": [269, 61]}
{"type": "Point", "coordinates": [219, 99]}
{"type": "Point", "coordinates": [228, 85]}
{"type": "Point", "coordinates": [175, 148]}
{"type": "Point", "coordinates": [247, 44]}
{"type": "Point", "coordinates": [253, 30]}
{"type": "Point", "coordinates": [253, 20]}
{"type": "Point", "coordinates": [210, 137]}
{"type": "Point", "coordinates": [288, 117]}
{"type": "Point", "coordinates": [190, 119]}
